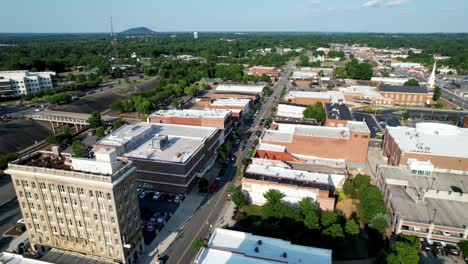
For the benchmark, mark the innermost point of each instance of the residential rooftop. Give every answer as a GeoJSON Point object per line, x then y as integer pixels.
{"type": "Point", "coordinates": [294, 94]}
{"type": "Point", "coordinates": [432, 138]}
{"type": "Point", "coordinates": [403, 89]}
{"type": "Point", "coordinates": [415, 197]}
{"type": "Point", "coordinates": [155, 141]}
{"type": "Point", "coordinates": [234, 247]}
{"type": "Point", "coordinates": [238, 88]}
{"type": "Point", "coordinates": [192, 113]}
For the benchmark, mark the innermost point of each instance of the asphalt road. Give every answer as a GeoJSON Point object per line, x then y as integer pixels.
{"type": "Point", "coordinates": [447, 94]}
{"type": "Point", "coordinates": [9, 214]}
{"type": "Point", "coordinates": [181, 251]}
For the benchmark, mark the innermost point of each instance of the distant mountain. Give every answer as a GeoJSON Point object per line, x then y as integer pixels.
{"type": "Point", "coordinates": [138, 31]}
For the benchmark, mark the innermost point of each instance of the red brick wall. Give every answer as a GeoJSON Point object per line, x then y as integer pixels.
{"type": "Point", "coordinates": [303, 83]}
{"type": "Point", "coordinates": [218, 123]}
{"type": "Point", "coordinates": [308, 101]}
{"type": "Point", "coordinates": [336, 123]}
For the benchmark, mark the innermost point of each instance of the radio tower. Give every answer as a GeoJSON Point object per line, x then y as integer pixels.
{"type": "Point", "coordinates": [114, 43]}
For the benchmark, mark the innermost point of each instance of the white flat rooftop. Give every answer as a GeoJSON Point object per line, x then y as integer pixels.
{"type": "Point", "coordinates": [234, 247]}
{"type": "Point", "coordinates": [315, 131]}
{"type": "Point", "coordinates": [137, 140]}
{"type": "Point", "coordinates": [191, 113]}
{"type": "Point", "coordinates": [292, 94]}
{"type": "Point", "coordinates": [285, 173]}
{"type": "Point", "coordinates": [241, 102]}
{"type": "Point", "coordinates": [290, 111]}
{"type": "Point", "coordinates": [304, 74]}
{"type": "Point", "coordinates": [254, 89]}
{"type": "Point", "coordinates": [432, 139]}
{"type": "Point", "coordinates": [270, 147]}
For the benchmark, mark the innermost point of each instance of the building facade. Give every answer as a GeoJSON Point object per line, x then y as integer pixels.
{"type": "Point", "coordinates": [168, 158]}
{"type": "Point", "coordinates": [434, 142]}
{"type": "Point", "coordinates": [25, 82]}
{"type": "Point", "coordinates": [406, 95]}
{"type": "Point", "coordinates": [80, 205]}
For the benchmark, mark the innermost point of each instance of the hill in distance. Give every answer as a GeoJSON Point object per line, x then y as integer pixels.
{"type": "Point", "coordinates": [138, 31]}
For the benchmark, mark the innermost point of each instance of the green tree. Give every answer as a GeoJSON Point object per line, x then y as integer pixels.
{"type": "Point", "coordinates": [95, 120]}
{"type": "Point", "coordinates": [359, 71]}
{"type": "Point", "coordinates": [5, 159]}
{"type": "Point", "coordinates": [379, 222]}
{"type": "Point", "coordinates": [402, 253]}
{"type": "Point", "coordinates": [371, 203]}
{"type": "Point", "coordinates": [52, 140]}
{"type": "Point", "coordinates": [439, 105]}
{"type": "Point", "coordinates": [101, 132]}
{"type": "Point", "coordinates": [316, 112]}
{"type": "Point", "coordinates": [328, 218]}
{"type": "Point", "coordinates": [238, 198]}
{"type": "Point", "coordinates": [334, 231]}
{"type": "Point", "coordinates": [352, 228]}
{"type": "Point", "coordinates": [118, 123]}
{"type": "Point", "coordinates": [464, 247]}
{"type": "Point", "coordinates": [274, 207]}
{"type": "Point", "coordinates": [142, 104]}
{"type": "Point", "coordinates": [437, 93]}
{"type": "Point", "coordinates": [406, 115]}
{"type": "Point", "coordinates": [191, 90]}
{"type": "Point", "coordinates": [66, 133]}
{"type": "Point", "coordinates": [411, 82]}
{"type": "Point", "coordinates": [78, 149]}
{"type": "Point", "coordinates": [309, 214]}
{"type": "Point", "coordinates": [198, 244]}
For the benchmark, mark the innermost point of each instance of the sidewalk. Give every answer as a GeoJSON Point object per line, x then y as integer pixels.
{"type": "Point", "coordinates": [170, 231]}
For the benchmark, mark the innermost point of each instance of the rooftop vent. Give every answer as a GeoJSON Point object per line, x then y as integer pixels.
{"type": "Point", "coordinates": [259, 242]}
{"type": "Point", "coordinates": [160, 142]}
{"type": "Point", "coordinates": [256, 249]}
{"type": "Point", "coordinates": [284, 255]}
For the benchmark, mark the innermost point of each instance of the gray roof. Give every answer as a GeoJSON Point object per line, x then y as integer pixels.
{"type": "Point", "coordinates": [403, 89]}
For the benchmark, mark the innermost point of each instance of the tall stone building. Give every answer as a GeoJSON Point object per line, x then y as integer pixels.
{"type": "Point", "coordinates": [82, 205]}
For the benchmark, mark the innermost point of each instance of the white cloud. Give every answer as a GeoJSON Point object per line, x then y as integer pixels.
{"type": "Point", "coordinates": [375, 3]}
{"type": "Point", "coordinates": [313, 2]}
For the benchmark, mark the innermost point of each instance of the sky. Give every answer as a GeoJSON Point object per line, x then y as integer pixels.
{"type": "Point", "coordinates": [67, 16]}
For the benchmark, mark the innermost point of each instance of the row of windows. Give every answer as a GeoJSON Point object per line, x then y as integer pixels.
{"type": "Point", "coordinates": [61, 188]}
{"type": "Point", "coordinates": [72, 233]}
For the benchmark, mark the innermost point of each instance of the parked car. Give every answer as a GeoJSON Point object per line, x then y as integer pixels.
{"type": "Point", "coordinates": [179, 198]}
{"type": "Point", "coordinates": [452, 250]}
{"type": "Point", "coordinates": [162, 218]}
{"type": "Point", "coordinates": [150, 226]}
{"type": "Point", "coordinates": [425, 245]}
{"type": "Point", "coordinates": [142, 194]}
{"type": "Point", "coordinates": [91, 133]}
{"type": "Point", "coordinates": [170, 198]}
{"type": "Point", "coordinates": [155, 217]}
{"type": "Point", "coordinates": [214, 186]}
{"type": "Point", "coordinates": [156, 195]}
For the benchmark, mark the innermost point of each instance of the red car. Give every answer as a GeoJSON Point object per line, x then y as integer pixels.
{"type": "Point", "coordinates": [213, 186]}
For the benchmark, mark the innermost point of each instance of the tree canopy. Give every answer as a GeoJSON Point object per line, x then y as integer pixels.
{"type": "Point", "coordinates": [411, 82]}
{"type": "Point", "coordinates": [316, 112]}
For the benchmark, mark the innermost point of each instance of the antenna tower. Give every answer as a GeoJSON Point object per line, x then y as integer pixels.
{"type": "Point", "coordinates": [115, 51]}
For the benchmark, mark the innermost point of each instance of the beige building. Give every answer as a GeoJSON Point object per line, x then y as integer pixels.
{"type": "Point", "coordinates": [88, 206]}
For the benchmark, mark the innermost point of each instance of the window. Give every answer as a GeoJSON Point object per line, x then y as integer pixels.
{"type": "Point", "coordinates": [70, 222]}
{"type": "Point", "coordinates": [95, 217]}
{"type": "Point", "coordinates": [71, 189]}
{"type": "Point", "coordinates": [90, 193]}
{"type": "Point", "coordinates": [106, 229]}
{"type": "Point", "coordinates": [45, 197]}
{"type": "Point", "coordinates": [33, 184]}
{"type": "Point", "coordinates": [111, 208]}
{"type": "Point", "coordinates": [49, 208]}
{"type": "Point", "coordinates": [84, 204]}
{"type": "Point", "coordinates": [68, 211]}
{"type": "Point", "coordinates": [18, 183]}
{"type": "Point", "coordinates": [99, 194]}
{"type": "Point", "coordinates": [52, 187]}
{"type": "Point", "coordinates": [25, 184]}
{"type": "Point", "coordinates": [31, 205]}
{"type": "Point", "coordinates": [42, 185]}
{"type": "Point", "coordinates": [113, 220]}
{"type": "Point", "coordinates": [58, 210]}
{"type": "Point", "coordinates": [74, 202]}
{"type": "Point", "coordinates": [61, 188]}
{"type": "Point", "coordinates": [108, 196]}
{"type": "Point", "coordinates": [91, 236]}
{"type": "Point", "coordinates": [104, 217]}
{"type": "Point", "coordinates": [80, 191]}
{"type": "Point", "coordinates": [54, 198]}
{"type": "Point", "coordinates": [36, 196]}
{"type": "Point", "coordinates": [20, 194]}
{"type": "Point", "coordinates": [64, 200]}
{"type": "Point", "coordinates": [28, 194]}
{"type": "Point", "coordinates": [77, 212]}
{"type": "Point", "coordinates": [102, 206]}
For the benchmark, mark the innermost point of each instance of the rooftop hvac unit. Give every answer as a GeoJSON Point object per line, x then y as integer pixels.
{"type": "Point", "coordinates": [160, 142]}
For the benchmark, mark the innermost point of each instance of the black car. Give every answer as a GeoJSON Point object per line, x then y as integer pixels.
{"type": "Point", "coordinates": [452, 250]}
{"type": "Point", "coordinates": [425, 245]}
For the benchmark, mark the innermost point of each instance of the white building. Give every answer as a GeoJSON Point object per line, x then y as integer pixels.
{"type": "Point", "coordinates": [234, 247]}
{"type": "Point", "coordinates": [293, 111]}
{"type": "Point", "coordinates": [25, 82]}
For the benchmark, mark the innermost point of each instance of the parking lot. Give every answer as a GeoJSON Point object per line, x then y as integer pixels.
{"type": "Point", "coordinates": [160, 210]}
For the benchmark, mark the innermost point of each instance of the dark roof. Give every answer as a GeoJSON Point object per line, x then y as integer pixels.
{"type": "Point", "coordinates": [403, 89]}
{"type": "Point", "coordinates": [338, 111]}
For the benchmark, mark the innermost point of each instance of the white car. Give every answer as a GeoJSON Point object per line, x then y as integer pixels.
{"type": "Point", "coordinates": [142, 194]}
{"type": "Point", "coordinates": [156, 195]}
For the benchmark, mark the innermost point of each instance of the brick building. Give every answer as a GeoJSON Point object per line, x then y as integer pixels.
{"type": "Point", "coordinates": [441, 144]}
{"type": "Point", "coordinates": [88, 206]}
{"type": "Point", "coordinates": [237, 106]}
{"type": "Point", "coordinates": [263, 175]}
{"type": "Point", "coordinates": [168, 157]}
{"type": "Point", "coordinates": [307, 98]}
{"type": "Point", "coordinates": [272, 72]}
{"type": "Point", "coordinates": [406, 95]}
{"type": "Point", "coordinates": [348, 143]}
{"type": "Point", "coordinates": [218, 118]}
